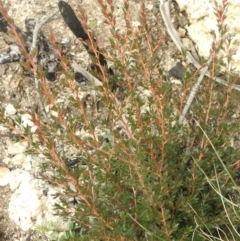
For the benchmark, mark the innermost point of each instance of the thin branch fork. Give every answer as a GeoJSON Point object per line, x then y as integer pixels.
{"type": "Point", "coordinates": [37, 28]}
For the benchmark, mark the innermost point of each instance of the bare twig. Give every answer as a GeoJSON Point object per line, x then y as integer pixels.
{"type": "Point", "coordinates": [37, 28]}
{"type": "Point", "coordinates": [192, 95]}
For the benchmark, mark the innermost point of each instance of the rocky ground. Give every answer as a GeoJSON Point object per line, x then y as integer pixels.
{"type": "Point", "coordinates": [25, 199]}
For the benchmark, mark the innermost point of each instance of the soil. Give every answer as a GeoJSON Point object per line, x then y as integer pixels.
{"type": "Point", "coordinates": [17, 85]}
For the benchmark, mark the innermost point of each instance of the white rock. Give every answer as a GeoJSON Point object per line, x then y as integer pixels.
{"type": "Point", "coordinates": [28, 164]}
{"type": "Point", "coordinates": [17, 148]}
{"type": "Point", "coordinates": [6, 160]}
{"type": "Point", "coordinates": [202, 21]}
{"type": "Point", "coordinates": [176, 82]}
{"type": "Point", "coordinates": [187, 43]}
{"type": "Point", "coordinates": [28, 206]}
{"type": "Point", "coordinates": [181, 32]}
{"type": "Point", "coordinates": [26, 120]}
{"type": "Point", "coordinates": [10, 110]}
{"type": "Point", "coordinates": [136, 24]}
{"type": "Point", "coordinates": [16, 177]}
{"type": "Point", "coordinates": [47, 108]}
{"type": "Point", "coordinates": [18, 159]}
{"type": "Point", "coordinates": [4, 176]}
{"type": "Point", "coordinates": [25, 203]}
{"type": "Point", "coordinates": [54, 113]}
{"type": "Point", "coordinates": [47, 214]}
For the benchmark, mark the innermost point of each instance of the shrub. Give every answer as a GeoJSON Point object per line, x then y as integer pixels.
{"type": "Point", "coordinates": [142, 175]}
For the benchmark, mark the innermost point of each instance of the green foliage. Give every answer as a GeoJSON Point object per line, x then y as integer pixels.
{"type": "Point", "coordinates": [143, 176]}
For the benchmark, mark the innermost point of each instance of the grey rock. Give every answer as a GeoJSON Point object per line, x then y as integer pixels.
{"type": "Point", "coordinates": [177, 71]}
